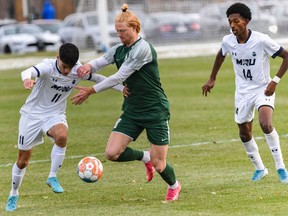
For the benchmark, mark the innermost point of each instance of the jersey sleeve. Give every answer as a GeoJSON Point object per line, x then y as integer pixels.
{"type": "Point", "coordinates": [271, 47]}
{"type": "Point", "coordinates": [44, 67]}
{"type": "Point", "coordinates": [139, 56]}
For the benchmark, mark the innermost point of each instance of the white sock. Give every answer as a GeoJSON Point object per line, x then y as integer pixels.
{"type": "Point", "coordinates": [273, 142]}
{"type": "Point", "coordinates": [174, 186]}
{"type": "Point", "coordinates": [57, 158]}
{"type": "Point", "coordinates": [146, 157]}
{"type": "Point", "coordinates": [17, 177]}
{"type": "Point", "coordinates": [253, 153]}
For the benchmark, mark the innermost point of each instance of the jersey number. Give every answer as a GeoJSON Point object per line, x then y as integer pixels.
{"type": "Point", "coordinates": [55, 98]}
{"type": "Point", "coordinates": [247, 74]}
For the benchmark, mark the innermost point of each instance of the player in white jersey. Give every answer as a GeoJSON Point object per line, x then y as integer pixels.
{"type": "Point", "coordinates": [44, 114]}
{"type": "Point", "coordinates": [250, 53]}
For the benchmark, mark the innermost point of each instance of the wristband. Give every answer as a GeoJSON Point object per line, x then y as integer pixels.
{"type": "Point", "coordinates": [276, 79]}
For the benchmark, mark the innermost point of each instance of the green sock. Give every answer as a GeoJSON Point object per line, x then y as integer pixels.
{"type": "Point", "coordinates": [130, 155]}
{"type": "Point", "coordinates": [168, 175]}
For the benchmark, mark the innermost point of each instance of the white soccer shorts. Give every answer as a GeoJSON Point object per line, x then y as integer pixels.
{"type": "Point", "coordinates": [32, 131]}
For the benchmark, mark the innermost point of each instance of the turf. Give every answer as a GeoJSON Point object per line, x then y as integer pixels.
{"type": "Point", "coordinates": [205, 152]}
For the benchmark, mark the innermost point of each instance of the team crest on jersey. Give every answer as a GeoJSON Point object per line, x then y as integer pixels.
{"type": "Point", "coordinates": [73, 82]}
{"type": "Point", "coordinates": [254, 54]}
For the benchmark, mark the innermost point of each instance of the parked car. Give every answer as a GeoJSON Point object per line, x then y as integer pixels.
{"type": "Point", "coordinates": [214, 22]}
{"type": "Point", "coordinates": [52, 25]}
{"type": "Point", "coordinates": [23, 38]}
{"type": "Point", "coordinates": [83, 30]}
{"type": "Point", "coordinates": [170, 27]}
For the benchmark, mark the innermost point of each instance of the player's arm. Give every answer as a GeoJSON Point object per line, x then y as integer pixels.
{"type": "Point", "coordinates": [84, 92]}
{"type": "Point", "coordinates": [282, 70]}
{"type": "Point", "coordinates": [26, 77]}
{"type": "Point", "coordinates": [97, 78]}
{"type": "Point", "coordinates": [211, 82]}
{"type": "Point", "coordinates": [92, 67]}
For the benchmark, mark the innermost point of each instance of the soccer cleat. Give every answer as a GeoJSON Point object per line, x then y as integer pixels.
{"type": "Point", "coordinates": [259, 174]}
{"type": "Point", "coordinates": [12, 203]}
{"type": "Point", "coordinates": [283, 175]}
{"type": "Point", "coordinates": [150, 170]}
{"type": "Point", "coordinates": [173, 194]}
{"type": "Point", "coordinates": [54, 184]}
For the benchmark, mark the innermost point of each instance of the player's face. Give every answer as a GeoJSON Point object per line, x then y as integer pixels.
{"type": "Point", "coordinates": [237, 24]}
{"type": "Point", "coordinates": [127, 35]}
{"type": "Point", "coordinates": [64, 68]}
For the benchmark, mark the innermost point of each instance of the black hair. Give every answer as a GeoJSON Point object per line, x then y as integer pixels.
{"type": "Point", "coordinates": [241, 9]}
{"type": "Point", "coordinates": [69, 54]}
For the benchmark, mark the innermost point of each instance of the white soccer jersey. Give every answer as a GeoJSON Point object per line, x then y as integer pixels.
{"type": "Point", "coordinates": [49, 94]}
{"type": "Point", "coordinates": [251, 60]}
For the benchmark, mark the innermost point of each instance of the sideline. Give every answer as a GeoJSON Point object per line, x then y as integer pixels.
{"type": "Point", "coordinates": [170, 147]}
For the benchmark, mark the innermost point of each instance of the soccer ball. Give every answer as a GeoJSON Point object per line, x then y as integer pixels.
{"type": "Point", "coordinates": [90, 169]}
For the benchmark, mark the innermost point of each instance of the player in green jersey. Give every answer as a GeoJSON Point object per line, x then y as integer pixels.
{"type": "Point", "coordinates": [146, 106]}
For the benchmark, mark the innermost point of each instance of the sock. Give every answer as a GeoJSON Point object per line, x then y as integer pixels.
{"type": "Point", "coordinates": [146, 156]}
{"type": "Point", "coordinates": [253, 153]}
{"type": "Point", "coordinates": [130, 155]}
{"type": "Point", "coordinates": [273, 142]}
{"type": "Point", "coordinates": [57, 158]}
{"type": "Point", "coordinates": [17, 177]}
{"type": "Point", "coordinates": [168, 175]}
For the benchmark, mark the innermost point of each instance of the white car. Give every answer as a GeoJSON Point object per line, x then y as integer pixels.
{"type": "Point", "coordinates": [23, 38]}
{"type": "Point", "coordinates": [83, 30]}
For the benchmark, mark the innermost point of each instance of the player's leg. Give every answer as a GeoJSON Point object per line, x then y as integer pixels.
{"type": "Point", "coordinates": [166, 171]}
{"type": "Point", "coordinates": [30, 134]}
{"type": "Point", "coordinates": [158, 134]}
{"type": "Point", "coordinates": [244, 114]}
{"type": "Point", "coordinates": [18, 172]}
{"type": "Point", "coordinates": [250, 145]}
{"type": "Point", "coordinates": [272, 139]}
{"type": "Point", "coordinates": [117, 148]}
{"type": "Point", "coordinates": [57, 132]}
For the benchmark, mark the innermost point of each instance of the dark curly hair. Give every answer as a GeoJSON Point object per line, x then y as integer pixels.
{"type": "Point", "coordinates": [241, 9]}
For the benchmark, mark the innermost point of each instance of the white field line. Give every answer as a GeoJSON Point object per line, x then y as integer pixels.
{"type": "Point", "coordinates": [170, 147]}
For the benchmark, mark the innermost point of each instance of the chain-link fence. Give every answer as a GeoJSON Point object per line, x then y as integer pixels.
{"type": "Point", "coordinates": [166, 22]}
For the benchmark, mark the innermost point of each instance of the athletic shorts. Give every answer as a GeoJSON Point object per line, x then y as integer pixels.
{"type": "Point", "coordinates": [245, 105]}
{"type": "Point", "coordinates": [158, 133]}
{"type": "Point", "coordinates": [32, 131]}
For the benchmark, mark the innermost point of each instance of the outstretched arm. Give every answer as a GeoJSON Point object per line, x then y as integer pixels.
{"type": "Point", "coordinates": [211, 82]}
{"type": "Point", "coordinates": [283, 68]}
{"type": "Point", "coordinates": [26, 76]}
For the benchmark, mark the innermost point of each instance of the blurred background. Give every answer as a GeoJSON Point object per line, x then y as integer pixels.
{"type": "Point", "coordinates": [43, 25]}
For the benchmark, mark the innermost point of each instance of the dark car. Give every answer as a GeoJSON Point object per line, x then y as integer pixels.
{"type": "Point", "coordinates": [170, 27]}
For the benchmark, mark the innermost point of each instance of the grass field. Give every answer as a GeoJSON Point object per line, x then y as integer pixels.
{"type": "Point", "coordinates": [205, 151]}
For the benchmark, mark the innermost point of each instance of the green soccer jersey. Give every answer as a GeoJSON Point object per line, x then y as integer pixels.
{"type": "Point", "coordinates": [147, 100]}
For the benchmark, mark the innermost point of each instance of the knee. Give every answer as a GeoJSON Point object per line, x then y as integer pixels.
{"type": "Point", "coordinates": [266, 128]}
{"type": "Point", "coordinates": [111, 155]}
{"type": "Point", "coordinates": [61, 140]}
{"type": "Point", "coordinates": [22, 163]}
{"type": "Point", "coordinates": [245, 137]}
{"type": "Point", "coordinates": [159, 165]}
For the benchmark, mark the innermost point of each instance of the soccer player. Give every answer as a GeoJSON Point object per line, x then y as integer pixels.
{"type": "Point", "coordinates": [146, 107]}
{"type": "Point", "coordinates": [250, 52]}
{"type": "Point", "coordinates": [44, 113]}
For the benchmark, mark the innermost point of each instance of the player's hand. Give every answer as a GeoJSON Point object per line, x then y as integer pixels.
{"type": "Point", "coordinates": [207, 87]}
{"type": "Point", "coordinates": [270, 88]}
{"type": "Point", "coordinates": [126, 92]}
{"type": "Point", "coordinates": [28, 83]}
{"type": "Point", "coordinates": [82, 95]}
{"type": "Point", "coordinates": [84, 70]}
